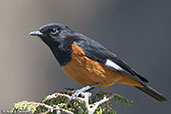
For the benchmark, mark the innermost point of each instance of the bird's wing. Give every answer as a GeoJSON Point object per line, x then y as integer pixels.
{"type": "Point", "coordinates": [97, 52]}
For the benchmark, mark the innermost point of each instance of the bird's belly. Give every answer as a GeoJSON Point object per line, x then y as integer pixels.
{"type": "Point", "coordinates": [88, 72]}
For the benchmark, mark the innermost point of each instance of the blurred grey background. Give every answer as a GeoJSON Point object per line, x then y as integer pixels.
{"type": "Point", "coordinates": [138, 31]}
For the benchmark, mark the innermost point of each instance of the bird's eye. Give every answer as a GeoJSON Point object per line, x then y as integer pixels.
{"type": "Point", "coordinates": [54, 31]}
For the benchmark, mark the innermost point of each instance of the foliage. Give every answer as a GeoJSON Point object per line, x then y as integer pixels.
{"type": "Point", "coordinates": [62, 102]}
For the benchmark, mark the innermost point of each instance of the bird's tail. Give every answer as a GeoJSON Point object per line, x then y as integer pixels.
{"type": "Point", "coordinates": [152, 92]}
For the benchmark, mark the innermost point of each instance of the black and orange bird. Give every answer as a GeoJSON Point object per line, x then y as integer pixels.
{"type": "Point", "coordinates": [88, 62]}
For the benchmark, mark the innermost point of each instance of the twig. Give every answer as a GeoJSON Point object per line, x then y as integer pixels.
{"type": "Point", "coordinates": [84, 99]}
{"type": "Point", "coordinates": [52, 108]}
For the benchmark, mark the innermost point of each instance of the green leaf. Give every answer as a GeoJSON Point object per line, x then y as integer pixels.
{"type": "Point", "coordinates": [75, 106]}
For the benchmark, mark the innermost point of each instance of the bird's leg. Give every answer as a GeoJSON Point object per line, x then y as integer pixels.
{"type": "Point", "coordinates": [84, 89]}
{"type": "Point", "coordinates": [69, 89]}
{"type": "Point", "coordinates": [77, 92]}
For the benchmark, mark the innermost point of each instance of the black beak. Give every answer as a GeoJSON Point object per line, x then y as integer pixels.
{"type": "Point", "coordinates": [36, 33]}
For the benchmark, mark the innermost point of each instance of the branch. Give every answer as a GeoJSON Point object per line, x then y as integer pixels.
{"type": "Point", "coordinates": [85, 99]}
{"type": "Point", "coordinates": [84, 103]}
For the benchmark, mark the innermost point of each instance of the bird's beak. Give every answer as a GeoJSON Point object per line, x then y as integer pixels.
{"type": "Point", "coordinates": [36, 33]}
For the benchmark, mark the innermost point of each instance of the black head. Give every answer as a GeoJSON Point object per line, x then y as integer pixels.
{"type": "Point", "coordinates": [57, 37]}
{"type": "Point", "coordinates": [53, 32]}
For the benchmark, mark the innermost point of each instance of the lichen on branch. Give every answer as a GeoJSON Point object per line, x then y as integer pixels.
{"type": "Point", "coordinates": [85, 103]}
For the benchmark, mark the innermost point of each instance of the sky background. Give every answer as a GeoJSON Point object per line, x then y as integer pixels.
{"type": "Point", "coordinates": [138, 31]}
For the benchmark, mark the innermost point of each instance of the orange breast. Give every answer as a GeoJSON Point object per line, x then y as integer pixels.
{"type": "Point", "coordinates": [87, 72]}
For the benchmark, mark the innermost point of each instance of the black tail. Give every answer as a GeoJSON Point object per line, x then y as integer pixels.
{"type": "Point", "coordinates": [153, 93]}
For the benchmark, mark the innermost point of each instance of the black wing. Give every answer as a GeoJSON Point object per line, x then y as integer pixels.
{"type": "Point", "coordinates": [97, 52]}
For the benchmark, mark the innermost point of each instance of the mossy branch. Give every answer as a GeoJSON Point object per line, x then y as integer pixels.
{"type": "Point", "coordinates": [85, 103]}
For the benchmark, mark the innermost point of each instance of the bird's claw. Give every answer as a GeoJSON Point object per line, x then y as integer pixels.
{"type": "Point", "coordinates": [69, 90]}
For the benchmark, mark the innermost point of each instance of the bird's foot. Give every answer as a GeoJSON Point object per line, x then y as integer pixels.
{"type": "Point", "coordinates": [69, 90]}
{"type": "Point", "coordinates": [77, 92]}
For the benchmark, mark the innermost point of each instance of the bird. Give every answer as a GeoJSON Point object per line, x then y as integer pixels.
{"type": "Point", "coordinates": [88, 62]}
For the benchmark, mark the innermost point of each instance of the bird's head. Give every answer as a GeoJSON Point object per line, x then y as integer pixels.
{"type": "Point", "coordinates": [58, 38]}
{"type": "Point", "coordinates": [52, 33]}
